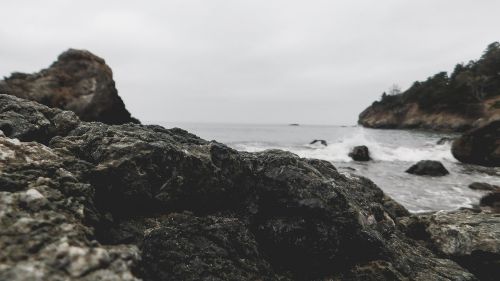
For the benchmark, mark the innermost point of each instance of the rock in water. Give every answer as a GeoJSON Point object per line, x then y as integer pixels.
{"type": "Point", "coordinates": [480, 146]}
{"type": "Point", "coordinates": [78, 81]}
{"type": "Point", "coordinates": [444, 140]}
{"type": "Point", "coordinates": [360, 153]}
{"type": "Point", "coordinates": [491, 200]}
{"type": "Point", "coordinates": [483, 186]}
{"type": "Point", "coordinates": [323, 142]}
{"type": "Point", "coordinates": [428, 168]}
{"type": "Point", "coordinates": [128, 202]}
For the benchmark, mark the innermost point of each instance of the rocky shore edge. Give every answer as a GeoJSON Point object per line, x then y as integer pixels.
{"type": "Point", "coordinates": [93, 201]}
{"type": "Point", "coordinates": [466, 98]}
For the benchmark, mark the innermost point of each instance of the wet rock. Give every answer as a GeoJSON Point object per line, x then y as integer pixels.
{"type": "Point", "coordinates": [483, 186]}
{"type": "Point", "coordinates": [323, 142]}
{"type": "Point", "coordinates": [480, 146]}
{"type": "Point", "coordinates": [78, 81]}
{"type": "Point", "coordinates": [428, 168]}
{"type": "Point", "coordinates": [267, 216]}
{"type": "Point", "coordinates": [445, 140]}
{"type": "Point", "coordinates": [360, 153]}
{"type": "Point", "coordinates": [470, 238]}
{"type": "Point", "coordinates": [491, 200]}
{"type": "Point", "coordinates": [30, 121]}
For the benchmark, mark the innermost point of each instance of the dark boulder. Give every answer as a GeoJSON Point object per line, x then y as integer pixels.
{"type": "Point", "coordinates": [491, 200]}
{"type": "Point", "coordinates": [479, 146]}
{"type": "Point", "coordinates": [78, 81]}
{"type": "Point", "coordinates": [483, 186]}
{"type": "Point", "coordinates": [99, 197]}
{"type": "Point", "coordinates": [428, 168]}
{"type": "Point", "coordinates": [323, 142]}
{"type": "Point", "coordinates": [360, 153]}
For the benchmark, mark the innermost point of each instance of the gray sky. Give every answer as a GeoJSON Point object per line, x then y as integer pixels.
{"type": "Point", "coordinates": [281, 61]}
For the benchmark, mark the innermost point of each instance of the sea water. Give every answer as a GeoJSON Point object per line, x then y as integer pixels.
{"type": "Point", "coordinates": [393, 151]}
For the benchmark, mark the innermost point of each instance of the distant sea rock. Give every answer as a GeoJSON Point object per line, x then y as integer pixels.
{"type": "Point", "coordinates": [483, 186]}
{"type": "Point", "coordinates": [428, 168]}
{"type": "Point", "coordinates": [480, 146]}
{"type": "Point", "coordinates": [360, 153]}
{"type": "Point", "coordinates": [467, 98]}
{"type": "Point", "coordinates": [78, 81]}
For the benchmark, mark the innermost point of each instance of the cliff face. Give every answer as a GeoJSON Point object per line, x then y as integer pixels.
{"type": "Point", "coordinates": [78, 81]}
{"type": "Point", "coordinates": [411, 116]}
{"type": "Point", "coordinates": [467, 98]}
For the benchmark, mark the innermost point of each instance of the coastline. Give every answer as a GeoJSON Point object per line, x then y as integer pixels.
{"type": "Point", "coordinates": [88, 201]}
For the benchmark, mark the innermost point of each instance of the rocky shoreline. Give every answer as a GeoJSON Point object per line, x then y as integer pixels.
{"type": "Point", "coordinates": [93, 201]}
{"type": "Point", "coordinates": [466, 98]}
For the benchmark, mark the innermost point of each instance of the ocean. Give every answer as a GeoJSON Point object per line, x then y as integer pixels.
{"type": "Point", "coordinates": [393, 151]}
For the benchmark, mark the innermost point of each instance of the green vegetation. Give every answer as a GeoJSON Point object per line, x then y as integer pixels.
{"type": "Point", "coordinates": [461, 92]}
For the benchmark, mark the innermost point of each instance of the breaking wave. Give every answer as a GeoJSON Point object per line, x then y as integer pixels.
{"type": "Point", "coordinates": [338, 150]}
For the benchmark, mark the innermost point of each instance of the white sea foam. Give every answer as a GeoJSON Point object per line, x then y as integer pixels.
{"type": "Point", "coordinates": [337, 151]}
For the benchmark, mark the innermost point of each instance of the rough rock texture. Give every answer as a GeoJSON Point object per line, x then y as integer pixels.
{"type": "Point", "coordinates": [470, 238]}
{"type": "Point", "coordinates": [213, 247]}
{"type": "Point", "coordinates": [119, 202]}
{"type": "Point", "coordinates": [44, 203]}
{"type": "Point", "coordinates": [480, 146]}
{"type": "Point", "coordinates": [360, 153]}
{"type": "Point", "coordinates": [428, 168]}
{"type": "Point", "coordinates": [78, 81]}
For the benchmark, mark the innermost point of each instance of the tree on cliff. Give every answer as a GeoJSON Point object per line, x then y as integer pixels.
{"type": "Point", "coordinates": [395, 89]}
{"type": "Point", "coordinates": [460, 92]}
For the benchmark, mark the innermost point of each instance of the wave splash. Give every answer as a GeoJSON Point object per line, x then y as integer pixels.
{"type": "Point", "coordinates": [338, 150]}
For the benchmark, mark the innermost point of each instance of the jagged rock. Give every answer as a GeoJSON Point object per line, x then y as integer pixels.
{"type": "Point", "coordinates": [428, 168]}
{"type": "Point", "coordinates": [78, 81]}
{"type": "Point", "coordinates": [44, 203]}
{"type": "Point", "coordinates": [483, 186]}
{"type": "Point", "coordinates": [480, 146]}
{"type": "Point", "coordinates": [30, 121]}
{"type": "Point", "coordinates": [470, 238]}
{"type": "Point", "coordinates": [360, 153]}
{"type": "Point", "coordinates": [99, 197]}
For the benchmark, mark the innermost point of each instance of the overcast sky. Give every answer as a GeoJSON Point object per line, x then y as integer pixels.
{"type": "Point", "coordinates": [281, 61]}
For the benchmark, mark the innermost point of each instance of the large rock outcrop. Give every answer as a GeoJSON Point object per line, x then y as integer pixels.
{"type": "Point", "coordinates": [78, 81]}
{"type": "Point", "coordinates": [127, 202]}
{"type": "Point", "coordinates": [480, 146]}
{"type": "Point", "coordinates": [466, 98]}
